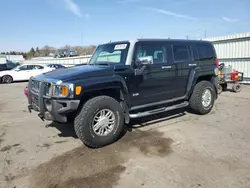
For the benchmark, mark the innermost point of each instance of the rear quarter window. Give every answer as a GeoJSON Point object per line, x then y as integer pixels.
{"type": "Point", "coordinates": [205, 51]}
{"type": "Point", "coordinates": [38, 67]}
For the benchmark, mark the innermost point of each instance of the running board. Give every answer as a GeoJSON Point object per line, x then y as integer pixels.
{"type": "Point", "coordinates": [159, 110]}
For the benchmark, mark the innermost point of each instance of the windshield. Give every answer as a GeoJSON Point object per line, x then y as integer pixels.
{"type": "Point", "coordinates": [114, 53]}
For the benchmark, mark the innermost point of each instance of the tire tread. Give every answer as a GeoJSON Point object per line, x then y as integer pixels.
{"type": "Point", "coordinates": [195, 99]}
{"type": "Point", "coordinates": [78, 125]}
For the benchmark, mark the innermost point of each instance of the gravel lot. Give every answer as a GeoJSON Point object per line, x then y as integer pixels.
{"type": "Point", "coordinates": [171, 150]}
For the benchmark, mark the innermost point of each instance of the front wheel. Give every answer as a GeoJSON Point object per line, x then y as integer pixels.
{"type": "Point", "coordinates": [202, 98]}
{"type": "Point", "coordinates": [7, 79]}
{"type": "Point", "coordinates": [100, 122]}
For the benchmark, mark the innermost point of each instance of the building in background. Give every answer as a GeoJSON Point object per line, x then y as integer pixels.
{"type": "Point", "coordinates": [15, 58]}
{"type": "Point", "coordinates": [3, 59]}
{"type": "Point", "coordinates": [234, 50]}
{"type": "Point", "coordinates": [11, 58]}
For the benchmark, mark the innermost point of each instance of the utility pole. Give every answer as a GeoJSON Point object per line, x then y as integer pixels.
{"type": "Point", "coordinates": [205, 34]}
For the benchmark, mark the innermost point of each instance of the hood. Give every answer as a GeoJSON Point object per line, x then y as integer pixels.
{"type": "Point", "coordinates": [79, 72]}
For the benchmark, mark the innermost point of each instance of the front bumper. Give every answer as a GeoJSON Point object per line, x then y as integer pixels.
{"type": "Point", "coordinates": [58, 109]}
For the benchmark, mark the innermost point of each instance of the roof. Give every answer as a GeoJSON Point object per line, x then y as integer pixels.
{"type": "Point", "coordinates": [158, 40]}
{"type": "Point", "coordinates": [169, 40]}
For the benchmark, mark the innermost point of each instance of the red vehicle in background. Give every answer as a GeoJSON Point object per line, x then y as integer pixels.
{"type": "Point", "coordinates": [26, 91]}
{"type": "Point", "coordinates": [229, 76]}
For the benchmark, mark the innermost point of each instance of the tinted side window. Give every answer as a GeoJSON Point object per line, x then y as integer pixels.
{"type": "Point", "coordinates": [30, 67]}
{"type": "Point", "coordinates": [155, 51]}
{"type": "Point", "coordinates": [205, 51]}
{"type": "Point", "coordinates": [181, 53]}
{"type": "Point", "coordinates": [25, 67]}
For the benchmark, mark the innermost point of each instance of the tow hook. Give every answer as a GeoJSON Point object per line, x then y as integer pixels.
{"type": "Point", "coordinates": [41, 116]}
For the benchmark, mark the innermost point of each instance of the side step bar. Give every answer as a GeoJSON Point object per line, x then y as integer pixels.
{"type": "Point", "coordinates": [159, 110]}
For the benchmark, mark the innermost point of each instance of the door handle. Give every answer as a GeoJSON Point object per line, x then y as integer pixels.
{"type": "Point", "coordinates": [166, 67]}
{"type": "Point", "coordinates": [192, 65]}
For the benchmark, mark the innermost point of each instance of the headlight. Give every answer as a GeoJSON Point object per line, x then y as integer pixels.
{"type": "Point", "coordinates": [63, 90]}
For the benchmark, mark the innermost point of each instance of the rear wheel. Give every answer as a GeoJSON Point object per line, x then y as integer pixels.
{"type": "Point", "coordinates": [236, 88]}
{"type": "Point", "coordinates": [7, 79]}
{"type": "Point", "coordinates": [100, 122]}
{"type": "Point", "coordinates": [202, 98]}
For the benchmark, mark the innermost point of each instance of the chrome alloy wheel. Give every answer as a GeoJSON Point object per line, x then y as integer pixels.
{"type": "Point", "coordinates": [103, 122]}
{"type": "Point", "coordinates": [206, 98]}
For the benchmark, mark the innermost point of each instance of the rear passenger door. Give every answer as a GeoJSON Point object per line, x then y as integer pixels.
{"type": "Point", "coordinates": [37, 69]}
{"type": "Point", "coordinates": [183, 59]}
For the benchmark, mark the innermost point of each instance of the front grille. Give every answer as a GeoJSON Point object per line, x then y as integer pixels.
{"type": "Point", "coordinates": [39, 88]}
{"type": "Point", "coordinates": [47, 89]}
{"type": "Point", "coordinates": [35, 85]}
{"type": "Point", "coordinates": [35, 101]}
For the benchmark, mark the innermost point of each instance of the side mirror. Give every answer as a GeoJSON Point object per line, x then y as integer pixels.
{"type": "Point", "coordinates": [142, 63]}
{"type": "Point", "coordinates": [147, 60]}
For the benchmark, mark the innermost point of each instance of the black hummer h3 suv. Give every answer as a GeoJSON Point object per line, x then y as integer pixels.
{"type": "Point", "coordinates": [126, 80]}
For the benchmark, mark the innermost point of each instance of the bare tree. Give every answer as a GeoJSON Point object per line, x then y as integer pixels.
{"type": "Point", "coordinates": [46, 50]}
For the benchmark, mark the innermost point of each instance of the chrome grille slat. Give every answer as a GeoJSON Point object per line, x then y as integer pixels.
{"type": "Point", "coordinates": [35, 86]}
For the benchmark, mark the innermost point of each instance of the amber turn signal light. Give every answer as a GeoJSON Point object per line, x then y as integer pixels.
{"type": "Point", "coordinates": [78, 90]}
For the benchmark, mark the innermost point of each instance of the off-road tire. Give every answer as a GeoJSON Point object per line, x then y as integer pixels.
{"type": "Point", "coordinates": [219, 89]}
{"type": "Point", "coordinates": [83, 127]}
{"type": "Point", "coordinates": [195, 101]}
{"type": "Point", "coordinates": [7, 79]}
{"type": "Point", "coordinates": [236, 88]}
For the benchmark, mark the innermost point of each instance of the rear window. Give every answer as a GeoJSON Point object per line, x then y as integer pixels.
{"type": "Point", "coordinates": [205, 51]}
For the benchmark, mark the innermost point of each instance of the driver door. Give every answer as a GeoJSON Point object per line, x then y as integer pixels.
{"type": "Point", "coordinates": [156, 82]}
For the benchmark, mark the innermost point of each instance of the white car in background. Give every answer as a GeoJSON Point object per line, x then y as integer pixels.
{"type": "Point", "coordinates": [23, 72]}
